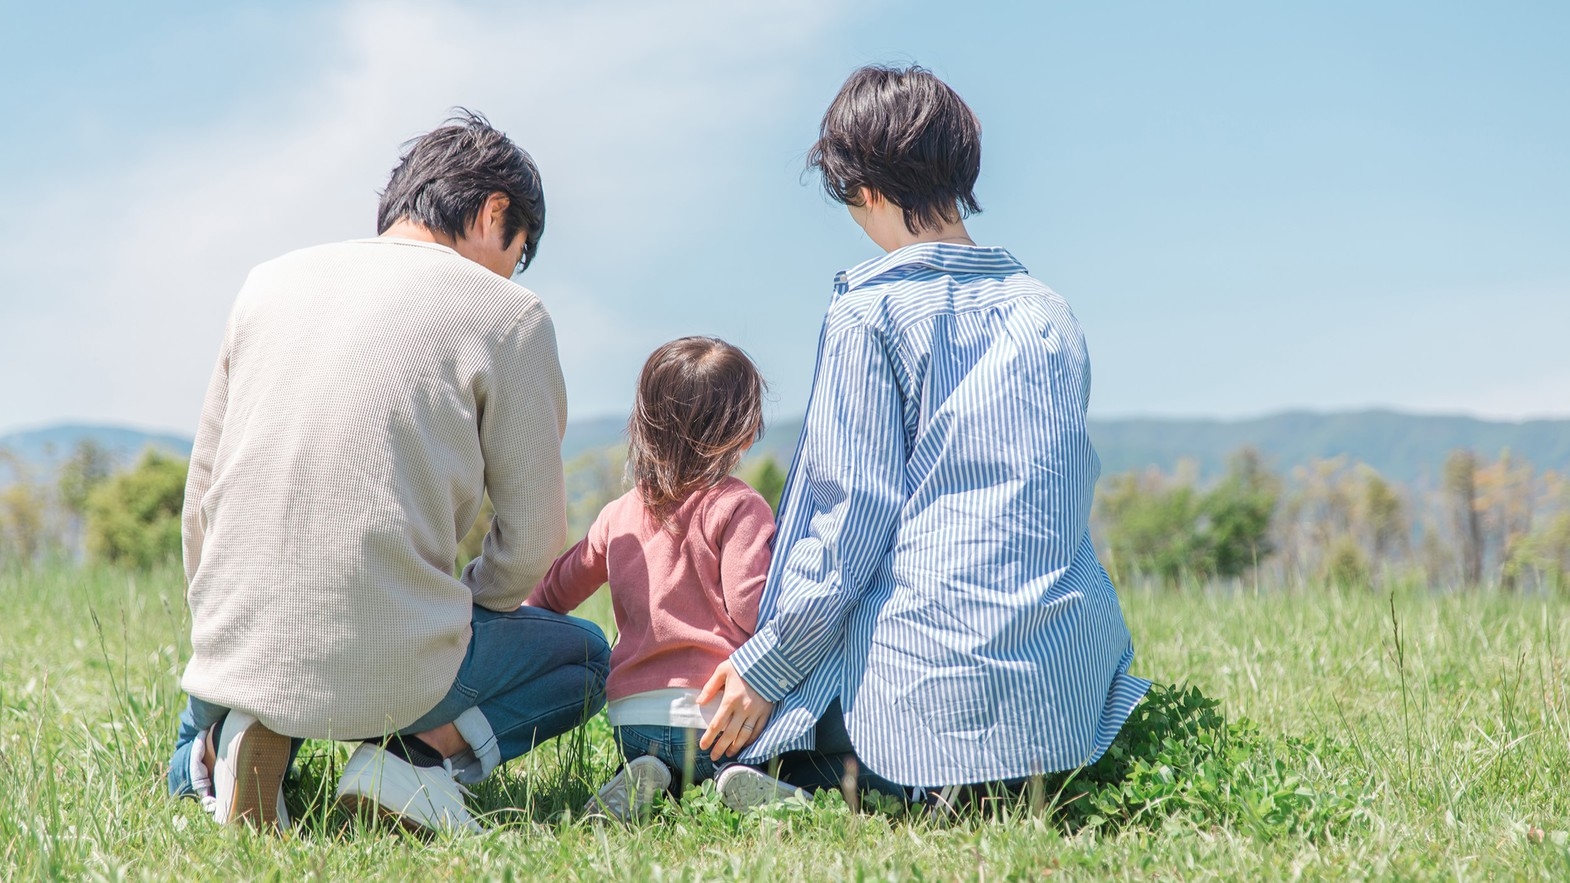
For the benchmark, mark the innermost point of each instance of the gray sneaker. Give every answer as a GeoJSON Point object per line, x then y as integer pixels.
{"type": "Point", "coordinates": [742, 788]}
{"type": "Point", "coordinates": [247, 774]}
{"type": "Point", "coordinates": [630, 793]}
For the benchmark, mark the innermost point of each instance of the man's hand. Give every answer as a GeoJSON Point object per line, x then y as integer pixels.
{"type": "Point", "coordinates": [743, 712]}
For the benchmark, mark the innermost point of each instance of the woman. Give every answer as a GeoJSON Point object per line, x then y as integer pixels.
{"type": "Point", "coordinates": [934, 604]}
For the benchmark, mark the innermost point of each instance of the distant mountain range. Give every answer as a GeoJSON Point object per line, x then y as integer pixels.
{"type": "Point", "coordinates": [44, 449]}
{"type": "Point", "coordinates": [1407, 448]}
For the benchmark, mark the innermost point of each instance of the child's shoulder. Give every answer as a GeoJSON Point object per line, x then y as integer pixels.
{"type": "Point", "coordinates": [624, 510]}
{"type": "Point", "coordinates": [733, 488]}
{"type": "Point", "coordinates": [730, 497]}
{"type": "Point", "coordinates": [732, 509]}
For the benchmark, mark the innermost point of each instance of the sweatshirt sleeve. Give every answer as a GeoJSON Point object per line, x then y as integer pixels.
{"type": "Point", "coordinates": [204, 451]}
{"type": "Point", "coordinates": [522, 418]}
{"type": "Point", "coordinates": [744, 541]}
{"type": "Point", "coordinates": [577, 574]}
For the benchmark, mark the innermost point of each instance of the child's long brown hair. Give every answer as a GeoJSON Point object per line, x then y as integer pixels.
{"type": "Point", "coordinates": [699, 406]}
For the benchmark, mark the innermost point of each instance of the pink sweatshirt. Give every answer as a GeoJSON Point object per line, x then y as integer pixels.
{"type": "Point", "coordinates": [685, 595]}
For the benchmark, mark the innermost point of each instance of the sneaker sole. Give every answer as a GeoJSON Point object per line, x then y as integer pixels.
{"type": "Point", "coordinates": [369, 812]}
{"type": "Point", "coordinates": [261, 760]}
{"type": "Point", "coordinates": [745, 793]}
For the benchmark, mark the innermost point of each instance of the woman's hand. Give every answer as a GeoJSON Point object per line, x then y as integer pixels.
{"type": "Point", "coordinates": [742, 715]}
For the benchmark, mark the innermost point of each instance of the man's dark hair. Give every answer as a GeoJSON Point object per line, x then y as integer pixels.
{"type": "Point", "coordinates": [445, 176]}
{"type": "Point", "coordinates": [907, 135]}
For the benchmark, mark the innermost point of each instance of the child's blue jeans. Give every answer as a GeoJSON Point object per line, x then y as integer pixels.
{"type": "Point", "coordinates": [529, 675]}
{"type": "Point", "coordinates": [676, 747]}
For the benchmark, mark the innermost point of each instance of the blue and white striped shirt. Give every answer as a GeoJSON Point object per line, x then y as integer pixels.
{"type": "Point", "coordinates": [933, 565]}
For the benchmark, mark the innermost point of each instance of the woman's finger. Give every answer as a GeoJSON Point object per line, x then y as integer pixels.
{"type": "Point", "coordinates": [715, 685]}
{"type": "Point", "coordinates": [721, 747]}
{"type": "Point", "coordinates": [727, 743]}
{"type": "Point", "coordinates": [722, 719]}
{"type": "Point", "coordinates": [749, 732]}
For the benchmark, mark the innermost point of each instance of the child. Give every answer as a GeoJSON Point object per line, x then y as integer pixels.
{"type": "Point", "coordinates": [685, 553]}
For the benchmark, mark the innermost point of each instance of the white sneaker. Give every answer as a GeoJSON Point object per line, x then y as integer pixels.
{"type": "Point", "coordinates": [630, 793]}
{"type": "Point", "coordinates": [742, 788]}
{"type": "Point", "coordinates": [424, 797]}
{"type": "Point", "coordinates": [248, 773]}
{"type": "Point", "coordinates": [210, 805]}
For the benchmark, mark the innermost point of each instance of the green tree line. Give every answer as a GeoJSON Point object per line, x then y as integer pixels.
{"type": "Point", "coordinates": [1488, 522]}
{"type": "Point", "coordinates": [95, 510]}
{"type": "Point", "coordinates": [1498, 522]}
{"type": "Point", "coordinates": [124, 517]}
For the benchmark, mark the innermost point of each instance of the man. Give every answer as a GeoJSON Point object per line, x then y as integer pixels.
{"type": "Point", "coordinates": [367, 395]}
{"type": "Point", "coordinates": [934, 609]}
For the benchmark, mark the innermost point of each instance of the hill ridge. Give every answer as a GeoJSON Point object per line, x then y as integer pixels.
{"type": "Point", "coordinates": [1404, 447]}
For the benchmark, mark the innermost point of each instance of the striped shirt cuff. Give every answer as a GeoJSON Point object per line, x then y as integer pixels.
{"type": "Point", "coordinates": [762, 664]}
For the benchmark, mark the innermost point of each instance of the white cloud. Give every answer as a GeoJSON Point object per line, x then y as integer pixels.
{"type": "Point", "coordinates": [113, 296]}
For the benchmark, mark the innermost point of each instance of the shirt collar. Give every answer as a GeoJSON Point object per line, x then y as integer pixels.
{"type": "Point", "coordinates": [946, 257]}
{"type": "Point", "coordinates": [399, 240]}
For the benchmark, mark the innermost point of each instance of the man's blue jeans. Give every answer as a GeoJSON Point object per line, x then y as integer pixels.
{"type": "Point", "coordinates": [530, 675]}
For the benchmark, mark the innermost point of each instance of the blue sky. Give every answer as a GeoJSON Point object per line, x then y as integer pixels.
{"type": "Point", "coordinates": [1252, 207]}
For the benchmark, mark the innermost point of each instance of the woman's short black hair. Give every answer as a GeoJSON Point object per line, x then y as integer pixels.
{"type": "Point", "coordinates": [907, 135]}
{"type": "Point", "coordinates": [445, 176]}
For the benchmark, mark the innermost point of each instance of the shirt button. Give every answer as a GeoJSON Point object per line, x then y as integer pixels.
{"type": "Point", "coordinates": [782, 683]}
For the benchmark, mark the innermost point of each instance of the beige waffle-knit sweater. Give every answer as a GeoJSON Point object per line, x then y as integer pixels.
{"type": "Point", "coordinates": [366, 395]}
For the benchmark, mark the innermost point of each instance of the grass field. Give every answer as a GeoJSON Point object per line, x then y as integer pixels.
{"type": "Point", "coordinates": [1435, 728]}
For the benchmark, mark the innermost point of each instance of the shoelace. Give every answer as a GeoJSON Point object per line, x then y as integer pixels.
{"type": "Point", "coordinates": [201, 776]}
{"type": "Point", "coordinates": [452, 774]}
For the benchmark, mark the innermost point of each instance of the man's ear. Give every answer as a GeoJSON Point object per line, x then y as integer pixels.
{"type": "Point", "coordinates": [495, 210]}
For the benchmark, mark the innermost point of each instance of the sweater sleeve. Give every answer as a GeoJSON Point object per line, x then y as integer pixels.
{"type": "Point", "coordinates": [204, 451]}
{"type": "Point", "coordinates": [744, 542]}
{"type": "Point", "coordinates": [577, 574]}
{"type": "Point", "coordinates": [522, 419]}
